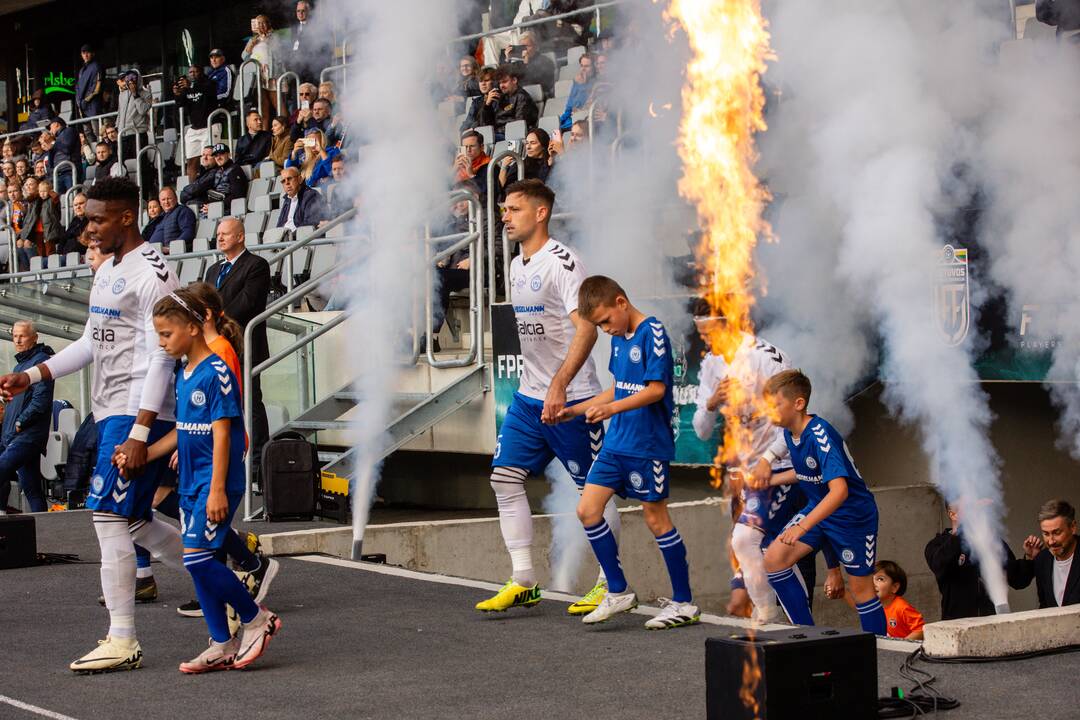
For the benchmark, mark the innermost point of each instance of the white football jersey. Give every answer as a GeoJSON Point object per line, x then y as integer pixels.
{"type": "Point", "coordinates": [121, 333]}
{"type": "Point", "coordinates": [544, 291]}
{"type": "Point", "coordinates": [755, 362]}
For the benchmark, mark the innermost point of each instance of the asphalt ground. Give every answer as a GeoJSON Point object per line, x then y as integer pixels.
{"type": "Point", "coordinates": [359, 643]}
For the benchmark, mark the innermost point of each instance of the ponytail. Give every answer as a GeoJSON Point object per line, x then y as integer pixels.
{"type": "Point", "coordinates": [231, 331]}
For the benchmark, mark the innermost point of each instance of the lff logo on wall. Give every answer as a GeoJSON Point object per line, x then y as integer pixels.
{"type": "Point", "coordinates": [952, 295]}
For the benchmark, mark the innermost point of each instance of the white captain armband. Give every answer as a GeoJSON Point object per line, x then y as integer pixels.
{"type": "Point", "coordinates": [35, 374]}
{"type": "Point", "coordinates": [139, 432]}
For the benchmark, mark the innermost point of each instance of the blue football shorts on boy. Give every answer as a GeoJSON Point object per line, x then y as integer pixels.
{"type": "Point", "coordinates": [630, 477]}
{"type": "Point", "coordinates": [855, 544]}
{"type": "Point", "coordinates": [131, 497]}
{"type": "Point", "coordinates": [525, 442]}
{"type": "Point", "coordinates": [196, 530]}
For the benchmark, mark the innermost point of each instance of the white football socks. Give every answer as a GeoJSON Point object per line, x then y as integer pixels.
{"type": "Point", "coordinates": [746, 543]}
{"type": "Point", "coordinates": [117, 572]}
{"type": "Point", "coordinates": [161, 539]}
{"type": "Point", "coordinates": [515, 521]}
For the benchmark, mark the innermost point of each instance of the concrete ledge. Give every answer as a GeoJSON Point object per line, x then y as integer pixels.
{"type": "Point", "coordinates": [999, 635]}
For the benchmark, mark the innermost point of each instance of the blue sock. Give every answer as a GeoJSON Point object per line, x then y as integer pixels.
{"type": "Point", "coordinates": [142, 557]}
{"type": "Point", "coordinates": [674, 551]}
{"type": "Point", "coordinates": [607, 552]}
{"type": "Point", "coordinates": [792, 596]}
{"type": "Point", "coordinates": [872, 616]}
{"type": "Point", "coordinates": [216, 586]}
{"type": "Point", "coordinates": [236, 548]}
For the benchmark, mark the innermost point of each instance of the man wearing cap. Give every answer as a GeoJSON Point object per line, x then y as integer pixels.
{"type": "Point", "coordinates": [88, 88]}
{"type": "Point", "coordinates": [225, 183]}
{"type": "Point", "coordinates": [223, 77]}
{"type": "Point", "coordinates": [133, 124]}
{"type": "Point", "coordinates": [64, 149]}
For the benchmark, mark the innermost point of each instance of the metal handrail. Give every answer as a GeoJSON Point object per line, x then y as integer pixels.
{"type": "Point", "coordinates": [475, 241]}
{"type": "Point", "coordinates": [228, 126]}
{"type": "Point", "coordinates": [519, 162]}
{"type": "Point", "coordinates": [333, 68]}
{"type": "Point", "coordinates": [181, 140]}
{"type": "Point", "coordinates": [277, 88]}
{"type": "Point", "coordinates": [319, 233]}
{"type": "Point", "coordinates": [159, 162]}
{"type": "Point", "coordinates": [69, 197]}
{"type": "Point", "coordinates": [56, 172]}
{"type": "Point", "coordinates": [250, 372]}
{"type": "Point", "coordinates": [77, 121]}
{"type": "Point", "coordinates": [541, 21]}
{"type": "Point", "coordinates": [243, 91]}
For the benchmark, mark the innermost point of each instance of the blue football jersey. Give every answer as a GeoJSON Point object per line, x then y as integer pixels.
{"type": "Point", "coordinates": [635, 362]}
{"type": "Point", "coordinates": [210, 393]}
{"type": "Point", "coordinates": [820, 455]}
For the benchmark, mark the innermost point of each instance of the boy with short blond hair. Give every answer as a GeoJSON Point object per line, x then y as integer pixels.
{"type": "Point", "coordinates": [637, 452]}
{"type": "Point", "coordinates": [840, 510]}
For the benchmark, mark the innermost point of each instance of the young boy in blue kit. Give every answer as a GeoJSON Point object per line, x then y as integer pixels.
{"type": "Point", "coordinates": [840, 510]}
{"type": "Point", "coordinates": [209, 438]}
{"type": "Point", "coordinates": [638, 449]}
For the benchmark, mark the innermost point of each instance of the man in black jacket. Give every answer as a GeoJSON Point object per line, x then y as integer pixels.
{"type": "Point", "coordinates": [27, 420]}
{"type": "Point", "coordinates": [1057, 577]}
{"type": "Point", "coordinates": [225, 183]}
{"type": "Point", "coordinates": [243, 279]}
{"type": "Point", "coordinates": [963, 593]}
{"type": "Point", "coordinates": [253, 146]}
{"type": "Point", "coordinates": [514, 104]}
{"type": "Point", "coordinates": [1062, 14]}
{"type": "Point", "coordinates": [197, 95]}
{"type": "Point", "coordinates": [300, 204]}
{"type": "Point", "coordinates": [308, 50]}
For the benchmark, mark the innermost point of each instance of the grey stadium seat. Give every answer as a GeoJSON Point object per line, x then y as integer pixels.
{"type": "Point", "coordinates": [255, 222]}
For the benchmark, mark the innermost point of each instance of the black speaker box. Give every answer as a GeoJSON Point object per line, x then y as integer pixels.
{"type": "Point", "coordinates": [18, 541]}
{"type": "Point", "coordinates": [801, 673]}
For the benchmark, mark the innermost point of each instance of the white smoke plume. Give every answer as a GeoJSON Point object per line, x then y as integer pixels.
{"type": "Point", "coordinates": [1030, 163]}
{"type": "Point", "coordinates": [402, 180]}
{"type": "Point", "coordinates": [569, 548]}
{"type": "Point", "coordinates": [877, 125]}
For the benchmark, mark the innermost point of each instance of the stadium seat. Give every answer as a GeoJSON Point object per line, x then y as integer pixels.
{"type": "Point", "coordinates": [573, 56]}
{"type": "Point", "coordinates": [266, 169]}
{"type": "Point", "coordinates": [273, 235]}
{"type": "Point", "coordinates": [72, 258]}
{"type": "Point", "coordinates": [37, 263]}
{"type": "Point", "coordinates": [214, 211]}
{"type": "Point", "coordinates": [256, 188]}
{"type": "Point", "coordinates": [535, 92]}
{"type": "Point", "coordinates": [304, 232]}
{"type": "Point", "coordinates": [200, 244]}
{"type": "Point", "coordinates": [515, 130]}
{"type": "Point", "coordinates": [262, 203]}
{"type": "Point", "coordinates": [207, 226]}
{"type": "Point", "coordinates": [249, 172]}
{"type": "Point", "coordinates": [563, 88]}
{"type": "Point", "coordinates": [488, 133]}
{"type": "Point", "coordinates": [255, 222]}
{"type": "Point", "coordinates": [238, 207]}
{"type": "Point", "coordinates": [323, 258]}
{"type": "Point", "coordinates": [181, 183]}
{"type": "Point", "coordinates": [56, 450]}
{"type": "Point", "coordinates": [177, 247]}
{"type": "Point", "coordinates": [67, 422]}
{"type": "Point", "coordinates": [567, 73]}
{"type": "Point", "coordinates": [53, 262]}
{"type": "Point", "coordinates": [549, 124]}
{"type": "Point", "coordinates": [1035, 30]}
{"type": "Point", "coordinates": [169, 135]}
{"type": "Point", "coordinates": [191, 271]}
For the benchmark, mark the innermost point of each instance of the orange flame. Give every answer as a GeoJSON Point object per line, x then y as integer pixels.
{"type": "Point", "coordinates": [723, 105]}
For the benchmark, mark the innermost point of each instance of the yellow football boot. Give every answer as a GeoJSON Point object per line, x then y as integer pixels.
{"type": "Point", "coordinates": [592, 599]}
{"type": "Point", "coordinates": [510, 595]}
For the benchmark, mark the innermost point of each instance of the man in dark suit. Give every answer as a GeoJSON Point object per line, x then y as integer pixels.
{"type": "Point", "coordinates": [1057, 577]}
{"type": "Point", "coordinates": [243, 279]}
{"type": "Point", "coordinates": [308, 52]}
{"type": "Point", "coordinates": [300, 204]}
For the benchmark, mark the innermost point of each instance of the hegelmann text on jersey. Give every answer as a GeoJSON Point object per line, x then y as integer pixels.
{"type": "Point", "coordinates": [107, 312]}
{"type": "Point", "coordinates": [632, 388]}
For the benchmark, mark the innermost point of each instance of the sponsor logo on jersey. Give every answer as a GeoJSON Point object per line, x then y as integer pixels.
{"type": "Point", "coordinates": [811, 463]}
{"type": "Point", "coordinates": [520, 283]}
{"type": "Point", "coordinates": [98, 484]}
{"type": "Point", "coordinates": [535, 283]}
{"type": "Point", "coordinates": [847, 555]}
{"type": "Point", "coordinates": [637, 480]}
{"type": "Point", "coordinates": [952, 296]}
{"type": "Point", "coordinates": [194, 427]}
{"type": "Point", "coordinates": [530, 329]}
{"type": "Point", "coordinates": [629, 387]}
{"type": "Point", "coordinates": [635, 354]}
{"type": "Point", "coordinates": [529, 309]}
{"type": "Point", "coordinates": [118, 286]}
{"type": "Point", "coordinates": [198, 398]}
{"type": "Point", "coordinates": [573, 467]}
{"type": "Point", "coordinates": [813, 479]}
{"type": "Point", "coordinates": [107, 312]}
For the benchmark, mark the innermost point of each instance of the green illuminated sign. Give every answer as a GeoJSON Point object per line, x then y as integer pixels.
{"type": "Point", "coordinates": [58, 82]}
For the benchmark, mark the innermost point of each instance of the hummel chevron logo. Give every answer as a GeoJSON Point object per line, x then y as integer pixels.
{"type": "Point", "coordinates": [210, 535]}
{"type": "Point", "coordinates": [226, 389]}
{"type": "Point", "coordinates": [119, 496]}
{"type": "Point", "coordinates": [658, 348]}
{"type": "Point", "coordinates": [223, 378]}
{"type": "Point", "coordinates": [183, 522]}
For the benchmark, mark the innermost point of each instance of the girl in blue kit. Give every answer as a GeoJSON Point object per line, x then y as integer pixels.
{"type": "Point", "coordinates": [209, 438]}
